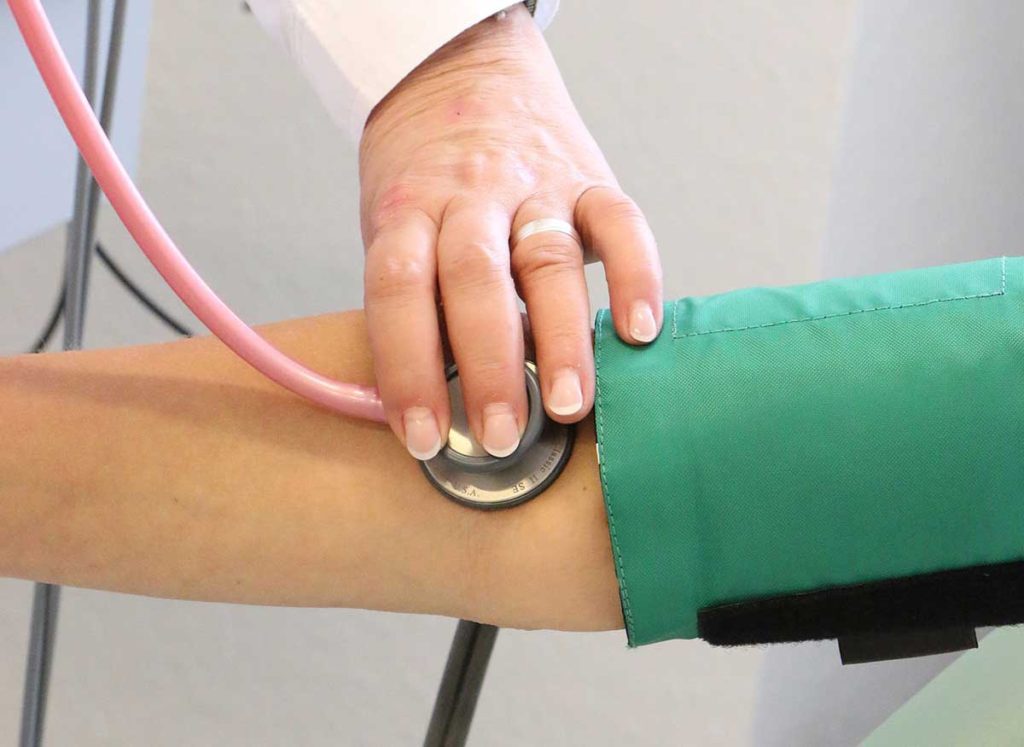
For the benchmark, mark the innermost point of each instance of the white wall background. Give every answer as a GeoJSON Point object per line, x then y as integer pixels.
{"type": "Point", "coordinates": [719, 117]}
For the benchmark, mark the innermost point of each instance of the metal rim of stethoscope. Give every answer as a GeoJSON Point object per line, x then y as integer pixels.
{"type": "Point", "coordinates": [465, 473]}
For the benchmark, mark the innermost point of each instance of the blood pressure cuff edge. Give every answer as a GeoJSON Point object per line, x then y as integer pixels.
{"type": "Point", "coordinates": [820, 461]}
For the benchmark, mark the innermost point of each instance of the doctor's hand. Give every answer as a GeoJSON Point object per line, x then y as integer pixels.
{"type": "Point", "coordinates": [479, 140]}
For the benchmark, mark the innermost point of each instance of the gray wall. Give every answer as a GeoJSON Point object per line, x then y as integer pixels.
{"type": "Point", "coordinates": [718, 117]}
{"type": "Point", "coordinates": [37, 163]}
{"type": "Point", "coordinates": [930, 167]}
{"type": "Point", "coordinates": [928, 170]}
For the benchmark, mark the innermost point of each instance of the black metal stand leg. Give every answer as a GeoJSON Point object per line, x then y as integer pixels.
{"type": "Point", "coordinates": [461, 684]}
{"type": "Point", "coordinates": [45, 604]}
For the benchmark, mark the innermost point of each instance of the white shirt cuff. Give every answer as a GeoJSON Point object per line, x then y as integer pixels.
{"type": "Point", "coordinates": [354, 52]}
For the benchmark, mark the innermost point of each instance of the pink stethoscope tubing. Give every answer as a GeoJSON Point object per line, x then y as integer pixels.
{"type": "Point", "coordinates": [157, 245]}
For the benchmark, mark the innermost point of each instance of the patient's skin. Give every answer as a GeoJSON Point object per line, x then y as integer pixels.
{"type": "Point", "coordinates": [177, 471]}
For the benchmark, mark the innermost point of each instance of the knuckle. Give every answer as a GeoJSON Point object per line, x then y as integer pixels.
{"type": "Point", "coordinates": [640, 272]}
{"type": "Point", "coordinates": [603, 202]}
{"type": "Point", "coordinates": [476, 263]}
{"type": "Point", "coordinates": [555, 255]}
{"type": "Point", "coordinates": [484, 164]}
{"type": "Point", "coordinates": [487, 379]}
{"type": "Point", "coordinates": [563, 340]}
{"type": "Point", "coordinates": [636, 266]}
{"type": "Point", "coordinates": [482, 369]}
{"type": "Point", "coordinates": [394, 276]}
{"type": "Point", "coordinates": [403, 393]}
{"type": "Point", "coordinates": [622, 209]}
{"type": "Point", "coordinates": [591, 198]}
{"type": "Point", "coordinates": [395, 200]}
{"type": "Point", "coordinates": [474, 168]}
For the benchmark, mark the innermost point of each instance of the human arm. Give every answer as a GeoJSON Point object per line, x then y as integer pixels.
{"type": "Point", "coordinates": [175, 470]}
{"type": "Point", "coordinates": [782, 464]}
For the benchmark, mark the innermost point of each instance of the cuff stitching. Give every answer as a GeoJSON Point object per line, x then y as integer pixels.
{"type": "Point", "coordinates": [891, 307]}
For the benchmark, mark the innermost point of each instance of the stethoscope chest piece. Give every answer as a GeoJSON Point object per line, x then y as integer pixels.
{"type": "Point", "coordinates": [467, 474]}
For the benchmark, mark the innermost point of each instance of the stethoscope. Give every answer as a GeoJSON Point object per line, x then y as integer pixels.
{"type": "Point", "coordinates": [462, 470]}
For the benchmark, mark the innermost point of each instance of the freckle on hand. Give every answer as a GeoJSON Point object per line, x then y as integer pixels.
{"type": "Point", "coordinates": [464, 105]}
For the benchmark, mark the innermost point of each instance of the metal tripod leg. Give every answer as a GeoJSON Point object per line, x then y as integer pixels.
{"type": "Point", "coordinates": [461, 684]}
{"type": "Point", "coordinates": [81, 231]}
{"type": "Point", "coordinates": [45, 603]}
{"type": "Point", "coordinates": [87, 230]}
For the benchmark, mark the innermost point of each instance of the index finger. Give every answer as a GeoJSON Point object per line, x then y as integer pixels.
{"type": "Point", "coordinates": [405, 339]}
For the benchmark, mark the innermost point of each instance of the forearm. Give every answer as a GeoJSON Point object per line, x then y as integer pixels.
{"type": "Point", "coordinates": [177, 471]}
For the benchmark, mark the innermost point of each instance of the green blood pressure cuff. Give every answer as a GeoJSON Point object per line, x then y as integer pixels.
{"type": "Point", "coordinates": [830, 460]}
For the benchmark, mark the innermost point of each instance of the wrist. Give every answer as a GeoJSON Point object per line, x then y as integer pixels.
{"type": "Point", "coordinates": [499, 37]}
{"type": "Point", "coordinates": [490, 49]}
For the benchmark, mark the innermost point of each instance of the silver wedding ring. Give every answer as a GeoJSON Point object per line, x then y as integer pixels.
{"type": "Point", "coordinates": [543, 225]}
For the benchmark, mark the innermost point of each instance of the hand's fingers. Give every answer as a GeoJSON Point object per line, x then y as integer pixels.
{"type": "Point", "coordinates": [613, 226]}
{"type": "Point", "coordinates": [549, 272]}
{"type": "Point", "coordinates": [483, 321]}
{"type": "Point", "coordinates": [401, 318]}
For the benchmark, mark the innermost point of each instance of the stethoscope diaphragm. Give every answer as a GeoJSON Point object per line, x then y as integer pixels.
{"type": "Point", "coordinates": [464, 472]}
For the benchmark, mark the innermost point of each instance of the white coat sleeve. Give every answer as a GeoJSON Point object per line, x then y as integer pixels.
{"type": "Point", "coordinates": [354, 51]}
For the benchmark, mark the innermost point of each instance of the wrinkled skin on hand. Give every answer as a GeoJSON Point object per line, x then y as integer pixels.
{"type": "Point", "coordinates": [477, 141]}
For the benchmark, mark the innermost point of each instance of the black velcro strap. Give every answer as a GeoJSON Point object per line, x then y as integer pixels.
{"type": "Point", "coordinates": [961, 599]}
{"type": "Point", "coordinates": [901, 644]}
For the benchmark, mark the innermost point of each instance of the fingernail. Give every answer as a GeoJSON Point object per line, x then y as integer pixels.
{"type": "Point", "coordinates": [566, 393]}
{"type": "Point", "coordinates": [501, 431]}
{"type": "Point", "coordinates": [642, 326]}
{"type": "Point", "coordinates": [422, 437]}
